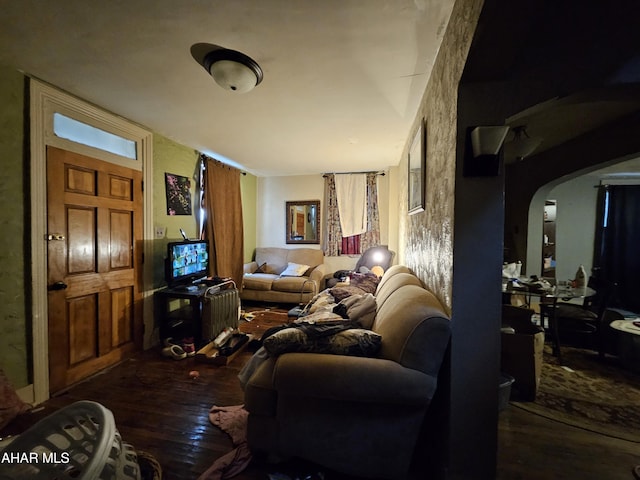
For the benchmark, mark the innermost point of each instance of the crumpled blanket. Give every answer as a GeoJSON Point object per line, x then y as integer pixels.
{"type": "Point", "coordinates": [359, 308]}
{"type": "Point", "coordinates": [233, 421]}
{"type": "Point", "coordinates": [10, 403]}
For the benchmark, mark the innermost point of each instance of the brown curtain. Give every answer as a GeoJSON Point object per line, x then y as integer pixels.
{"type": "Point", "coordinates": [223, 207]}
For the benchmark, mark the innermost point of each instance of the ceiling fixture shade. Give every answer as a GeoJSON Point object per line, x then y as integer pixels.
{"type": "Point", "coordinates": [522, 144]}
{"type": "Point", "coordinates": [232, 70]}
{"type": "Point", "coordinates": [487, 140]}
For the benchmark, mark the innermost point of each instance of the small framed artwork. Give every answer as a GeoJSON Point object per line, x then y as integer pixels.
{"type": "Point", "coordinates": [178, 190]}
{"type": "Point", "coordinates": [417, 164]}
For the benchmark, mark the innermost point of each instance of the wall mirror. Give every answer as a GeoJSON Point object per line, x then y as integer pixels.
{"type": "Point", "coordinates": [303, 221]}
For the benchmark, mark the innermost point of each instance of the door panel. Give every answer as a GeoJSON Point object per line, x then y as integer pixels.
{"type": "Point", "coordinates": [94, 221]}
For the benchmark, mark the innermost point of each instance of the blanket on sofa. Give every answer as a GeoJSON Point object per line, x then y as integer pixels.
{"type": "Point", "coordinates": [322, 331]}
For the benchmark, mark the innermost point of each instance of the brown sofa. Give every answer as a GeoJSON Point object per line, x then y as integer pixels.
{"type": "Point", "coordinates": [357, 415]}
{"type": "Point", "coordinates": [262, 280]}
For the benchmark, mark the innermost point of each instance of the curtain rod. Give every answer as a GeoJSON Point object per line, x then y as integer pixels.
{"type": "Point", "coordinates": [382, 174]}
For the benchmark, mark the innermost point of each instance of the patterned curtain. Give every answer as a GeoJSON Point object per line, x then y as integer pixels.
{"type": "Point", "coordinates": [333, 232]}
{"type": "Point", "coordinates": [335, 244]}
{"type": "Point", "coordinates": [371, 238]}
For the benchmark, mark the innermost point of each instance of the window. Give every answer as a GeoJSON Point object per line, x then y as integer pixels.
{"type": "Point", "coordinates": [76, 131]}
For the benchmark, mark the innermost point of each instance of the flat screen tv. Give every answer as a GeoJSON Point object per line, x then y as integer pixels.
{"type": "Point", "coordinates": [187, 261]}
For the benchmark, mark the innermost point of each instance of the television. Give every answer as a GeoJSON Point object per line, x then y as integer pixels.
{"type": "Point", "coordinates": [187, 261]}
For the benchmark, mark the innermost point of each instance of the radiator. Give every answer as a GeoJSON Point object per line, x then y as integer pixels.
{"type": "Point", "coordinates": [220, 309]}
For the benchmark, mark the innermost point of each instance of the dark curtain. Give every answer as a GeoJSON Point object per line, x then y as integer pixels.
{"type": "Point", "coordinates": [223, 220]}
{"type": "Point", "coordinates": [617, 243]}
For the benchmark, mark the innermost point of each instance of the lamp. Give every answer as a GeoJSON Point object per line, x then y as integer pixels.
{"type": "Point", "coordinates": [232, 70]}
{"type": "Point", "coordinates": [522, 144]}
{"type": "Point", "coordinates": [488, 140]}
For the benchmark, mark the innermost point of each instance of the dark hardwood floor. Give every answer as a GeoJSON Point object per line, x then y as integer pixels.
{"type": "Point", "coordinates": [159, 409]}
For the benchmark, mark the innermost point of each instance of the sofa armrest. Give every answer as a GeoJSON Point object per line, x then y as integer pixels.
{"type": "Point", "coordinates": [318, 274]}
{"type": "Point", "coordinates": [346, 378]}
{"type": "Point", "coordinates": [250, 267]}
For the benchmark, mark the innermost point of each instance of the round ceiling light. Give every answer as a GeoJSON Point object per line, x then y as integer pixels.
{"type": "Point", "coordinates": [232, 70]}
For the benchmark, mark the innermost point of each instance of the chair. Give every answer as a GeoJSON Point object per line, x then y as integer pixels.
{"type": "Point", "coordinates": [519, 318]}
{"type": "Point", "coordinates": [579, 322]}
{"type": "Point", "coordinates": [373, 256]}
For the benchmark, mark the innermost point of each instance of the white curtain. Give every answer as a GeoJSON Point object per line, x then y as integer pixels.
{"type": "Point", "coordinates": [351, 192]}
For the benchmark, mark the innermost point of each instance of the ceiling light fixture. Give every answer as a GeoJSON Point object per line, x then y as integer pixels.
{"type": "Point", "coordinates": [522, 144]}
{"type": "Point", "coordinates": [232, 70]}
{"type": "Point", "coordinates": [487, 140]}
{"type": "Point", "coordinates": [483, 158]}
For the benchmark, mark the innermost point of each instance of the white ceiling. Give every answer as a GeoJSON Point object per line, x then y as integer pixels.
{"type": "Point", "coordinates": [343, 79]}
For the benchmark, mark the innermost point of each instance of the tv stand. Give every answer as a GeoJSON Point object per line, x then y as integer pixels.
{"type": "Point", "coordinates": [188, 288]}
{"type": "Point", "coordinates": [179, 310]}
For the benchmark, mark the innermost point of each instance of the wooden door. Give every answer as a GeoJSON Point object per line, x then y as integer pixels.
{"type": "Point", "coordinates": [94, 224]}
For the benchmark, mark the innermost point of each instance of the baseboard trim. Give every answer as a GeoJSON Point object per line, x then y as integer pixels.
{"type": "Point", "coordinates": [26, 394]}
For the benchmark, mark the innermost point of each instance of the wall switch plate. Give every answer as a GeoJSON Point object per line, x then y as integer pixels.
{"type": "Point", "coordinates": [160, 232]}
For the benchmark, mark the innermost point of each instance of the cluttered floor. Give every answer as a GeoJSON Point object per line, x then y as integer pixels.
{"type": "Point", "coordinates": [161, 407]}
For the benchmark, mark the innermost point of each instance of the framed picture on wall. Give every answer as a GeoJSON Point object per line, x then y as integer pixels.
{"type": "Point", "coordinates": [178, 189]}
{"type": "Point", "coordinates": [416, 175]}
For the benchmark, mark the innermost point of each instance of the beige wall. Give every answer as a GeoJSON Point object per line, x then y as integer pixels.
{"type": "Point", "coordinates": [273, 192]}
{"type": "Point", "coordinates": [248, 187]}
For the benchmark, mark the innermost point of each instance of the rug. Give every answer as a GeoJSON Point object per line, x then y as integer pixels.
{"type": "Point", "coordinates": [590, 393]}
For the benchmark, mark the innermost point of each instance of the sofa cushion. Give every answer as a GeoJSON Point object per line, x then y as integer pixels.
{"type": "Point", "coordinates": [294, 270]}
{"type": "Point", "coordinates": [392, 284]}
{"type": "Point", "coordinates": [261, 398]}
{"type": "Point", "coordinates": [275, 258]}
{"type": "Point", "coordinates": [293, 284]}
{"type": "Point", "coordinates": [354, 342]}
{"type": "Point", "coordinates": [258, 281]}
{"type": "Point", "coordinates": [307, 256]}
{"type": "Point", "coordinates": [413, 337]}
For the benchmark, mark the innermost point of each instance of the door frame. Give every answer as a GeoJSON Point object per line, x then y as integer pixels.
{"type": "Point", "coordinates": [46, 100]}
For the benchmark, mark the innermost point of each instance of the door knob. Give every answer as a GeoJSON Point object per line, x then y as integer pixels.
{"type": "Point", "coordinates": [55, 236]}
{"type": "Point", "coordinates": [57, 286]}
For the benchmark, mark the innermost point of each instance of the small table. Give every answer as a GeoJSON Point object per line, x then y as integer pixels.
{"type": "Point", "coordinates": [549, 299]}
{"type": "Point", "coordinates": [628, 342]}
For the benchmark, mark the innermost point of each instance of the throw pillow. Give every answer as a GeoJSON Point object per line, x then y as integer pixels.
{"type": "Point", "coordinates": [294, 270]}
{"type": "Point", "coordinates": [262, 268]}
{"type": "Point", "coordinates": [356, 342]}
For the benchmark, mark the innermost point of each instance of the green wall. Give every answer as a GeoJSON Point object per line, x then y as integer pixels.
{"type": "Point", "coordinates": [170, 157]}
{"type": "Point", "coordinates": [14, 242]}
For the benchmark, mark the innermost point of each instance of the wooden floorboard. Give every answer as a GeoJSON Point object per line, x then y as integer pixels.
{"type": "Point", "coordinates": [159, 409]}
